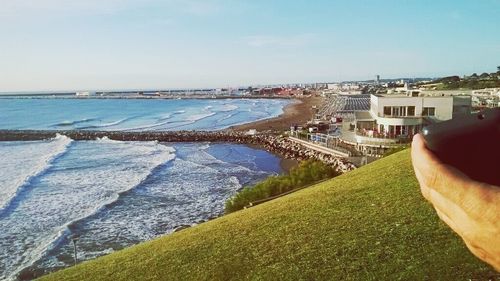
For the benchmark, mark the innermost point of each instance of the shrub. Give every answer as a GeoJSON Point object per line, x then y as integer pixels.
{"type": "Point", "coordinates": [307, 172]}
{"type": "Point", "coordinates": [396, 149]}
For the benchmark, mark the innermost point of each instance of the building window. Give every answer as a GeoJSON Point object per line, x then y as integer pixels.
{"type": "Point", "coordinates": [411, 111]}
{"type": "Point", "coordinates": [396, 111]}
{"type": "Point", "coordinates": [387, 111]}
{"type": "Point", "coordinates": [429, 111]}
{"type": "Point", "coordinates": [402, 111]}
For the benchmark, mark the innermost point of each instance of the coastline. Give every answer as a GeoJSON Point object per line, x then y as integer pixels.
{"type": "Point", "coordinates": [297, 112]}
{"type": "Point", "coordinates": [271, 141]}
{"type": "Point", "coordinates": [286, 164]}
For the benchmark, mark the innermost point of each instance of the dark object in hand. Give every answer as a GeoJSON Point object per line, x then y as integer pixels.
{"type": "Point", "coordinates": [470, 143]}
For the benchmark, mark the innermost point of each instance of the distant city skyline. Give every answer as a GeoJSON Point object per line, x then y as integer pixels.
{"type": "Point", "coordinates": [50, 45]}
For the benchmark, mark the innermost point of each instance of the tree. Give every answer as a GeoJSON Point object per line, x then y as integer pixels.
{"type": "Point", "coordinates": [484, 75]}
{"type": "Point", "coordinates": [474, 76]}
{"type": "Point", "coordinates": [498, 68]}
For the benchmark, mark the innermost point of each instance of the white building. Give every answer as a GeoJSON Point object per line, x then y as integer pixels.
{"type": "Point", "coordinates": [396, 118]}
{"type": "Point", "coordinates": [488, 92]}
{"type": "Point", "coordinates": [333, 86]}
{"type": "Point", "coordinates": [85, 94]}
{"type": "Point", "coordinates": [344, 86]}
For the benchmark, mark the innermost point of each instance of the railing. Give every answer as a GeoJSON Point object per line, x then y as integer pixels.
{"type": "Point", "coordinates": [376, 135]}
{"type": "Point", "coordinates": [327, 141]}
{"type": "Point", "coordinates": [396, 116]}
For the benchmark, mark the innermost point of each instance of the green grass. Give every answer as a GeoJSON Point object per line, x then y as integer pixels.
{"type": "Point", "coordinates": [368, 224]}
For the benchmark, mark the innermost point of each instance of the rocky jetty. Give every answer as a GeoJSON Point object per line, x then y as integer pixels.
{"type": "Point", "coordinates": [292, 150]}
{"type": "Point", "coordinates": [272, 142]}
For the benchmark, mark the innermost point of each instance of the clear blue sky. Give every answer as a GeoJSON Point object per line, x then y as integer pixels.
{"type": "Point", "coordinates": [118, 44]}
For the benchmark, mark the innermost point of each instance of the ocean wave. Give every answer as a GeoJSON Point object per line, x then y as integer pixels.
{"type": "Point", "coordinates": [74, 122]}
{"type": "Point", "coordinates": [170, 115]}
{"type": "Point", "coordinates": [117, 181]}
{"type": "Point", "coordinates": [198, 117]}
{"type": "Point", "coordinates": [204, 146]}
{"type": "Point", "coordinates": [228, 107]}
{"type": "Point", "coordinates": [54, 149]}
{"type": "Point", "coordinates": [185, 199]}
{"type": "Point", "coordinates": [104, 125]}
{"type": "Point", "coordinates": [228, 116]}
{"type": "Point", "coordinates": [179, 123]}
{"type": "Point", "coordinates": [203, 158]}
{"type": "Point", "coordinates": [151, 126]}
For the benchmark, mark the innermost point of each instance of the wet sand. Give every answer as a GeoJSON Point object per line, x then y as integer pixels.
{"type": "Point", "coordinates": [298, 112]}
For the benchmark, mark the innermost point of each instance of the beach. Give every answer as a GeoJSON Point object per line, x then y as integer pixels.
{"type": "Point", "coordinates": [298, 112]}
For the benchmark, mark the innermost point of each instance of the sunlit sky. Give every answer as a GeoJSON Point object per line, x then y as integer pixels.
{"type": "Point", "coordinates": [150, 44]}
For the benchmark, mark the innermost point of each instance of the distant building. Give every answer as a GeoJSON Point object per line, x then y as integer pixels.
{"type": "Point", "coordinates": [396, 118]}
{"type": "Point", "coordinates": [489, 97]}
{"type": "Point", "coordinates": [344, 86]}
{"type": "Point", "coordinates": [487, 92]}
{"type": "Point", "coordinates": [85, 94]}
{"type": "Point", "coordinates": [268, 91]}
{"type": "Point", "coordinates": [333, 86]}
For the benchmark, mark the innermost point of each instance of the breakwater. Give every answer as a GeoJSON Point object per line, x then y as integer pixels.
{"type": "Point", "coordinates": [272, 142]}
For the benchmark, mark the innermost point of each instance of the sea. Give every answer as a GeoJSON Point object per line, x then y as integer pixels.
{"type": "Point", "coordinates": [104, 195]}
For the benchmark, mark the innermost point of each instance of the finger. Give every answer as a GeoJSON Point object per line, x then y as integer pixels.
{"type": "Point", "coordinates": [448, 221]}
{"type": "Point", "coordinates": [426, 167]}
{"type": "Point", "coordinates": [447, 180]}
{"type": "Point", "coordinates": [487, 256]}
{"type": "Point", "coordinates": [478, 252]}
{"type": "Point", "coordinates": [470, 243]}
{"type": "Point", "coordinates": [452, 214]}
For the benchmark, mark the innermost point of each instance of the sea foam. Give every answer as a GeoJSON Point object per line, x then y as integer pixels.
{"type": "Point", "coordinates": [92, 174]}
{"type": "Point", "coordinates": [22, 161]}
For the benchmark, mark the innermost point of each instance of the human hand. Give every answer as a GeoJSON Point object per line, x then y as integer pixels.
{"type": "Point", "coordinates": [470, 208]}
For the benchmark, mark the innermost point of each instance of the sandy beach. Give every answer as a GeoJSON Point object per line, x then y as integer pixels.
{"type": "Point", "coordinates": [298, 112]}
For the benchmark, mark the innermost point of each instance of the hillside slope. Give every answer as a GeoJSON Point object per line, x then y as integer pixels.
{"type": "Point", "coordinates": [369, 224]}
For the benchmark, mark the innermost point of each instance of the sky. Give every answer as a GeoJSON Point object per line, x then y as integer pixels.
{"type": "Point", "coordinates": [50, 45]}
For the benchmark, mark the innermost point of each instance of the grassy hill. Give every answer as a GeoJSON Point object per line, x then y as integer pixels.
{"type": "Point", "coordinates": [369, 224]}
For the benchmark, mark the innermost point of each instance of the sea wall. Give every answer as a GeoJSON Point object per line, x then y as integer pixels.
{"type": "Point", "coordinates": [271, 142]}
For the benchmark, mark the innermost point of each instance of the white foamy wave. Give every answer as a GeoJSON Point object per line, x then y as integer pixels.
{"type": "Point", "coordinates": [104, 125]}
{"type": "Point", "coordinates": [202, 157]}
{"type": "Point", "coordinates": [165, 117]}
{"type": "Point", "coordinates": [22, 161]}
{"type": "Point", "coordinates": [198, 117]}
{"type": "Point", "coordinates": [170, 115]}
{"type": "Point", "coordinates": [192, 119]}
{"type": "Point", "coordinates": [192, 193]}
{"type": "Point", "coordinates": [228, 116]}
{"type": "Point", "coordinates": [151, 126]}
{"type": "Point", "coordinates": [64, 196]}
{"type": "Point", "coordinates": [204, 146]}
{"type": "Point", "coordinates": [106, 139]}
{"type": "Point", "coordinates": [74, 122]}
{"type": "Point", "coordinates": [229, 107]}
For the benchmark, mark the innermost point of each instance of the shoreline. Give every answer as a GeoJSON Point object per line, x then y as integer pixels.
{"type": "Point", "coordinates": [297, 112]}
{"type": "Point", "coordinates": [286, 164]}
{"type": "Point", "coordinates": [274, 143]}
